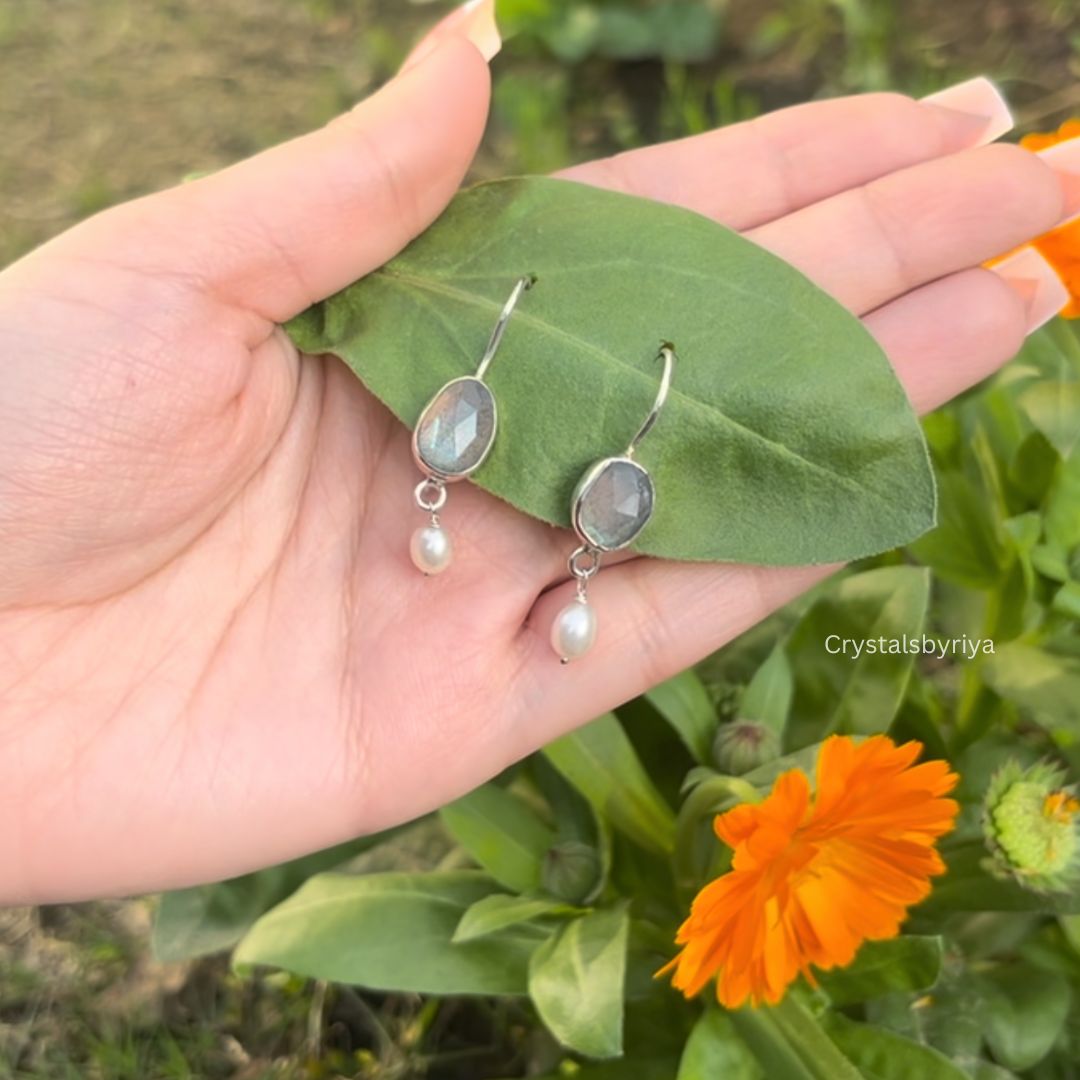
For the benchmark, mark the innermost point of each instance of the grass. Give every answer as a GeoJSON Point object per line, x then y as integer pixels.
{"type": "Point", "coordinates": [102, 100]}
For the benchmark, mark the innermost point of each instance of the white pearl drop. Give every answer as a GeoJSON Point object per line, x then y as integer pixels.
{"type": "Point", "coordinates": [431, 549]}
{"type": "Point", "coordinates": [574, 631]}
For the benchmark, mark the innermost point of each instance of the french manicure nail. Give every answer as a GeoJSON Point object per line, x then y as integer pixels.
{"type": "Point", "coordinates": [1064, 159]}
{"type": "Point", "coordinates": [1038, 284]}
{"type": "Point", "coordinates": [474, 20]}
{"type": "Point", "coordinates": [978, 98]}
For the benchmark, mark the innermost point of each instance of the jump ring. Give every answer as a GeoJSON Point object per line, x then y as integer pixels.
{"type": "Point", "coordinates": [424, 499]}
{"type": "Point", "coordinates": [583, 573]}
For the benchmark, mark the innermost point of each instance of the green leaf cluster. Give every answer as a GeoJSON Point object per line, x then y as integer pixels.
{"type": "Point", "coordinates": [562, 882]}
{"type": "Point", "coordinates": [677, 30]}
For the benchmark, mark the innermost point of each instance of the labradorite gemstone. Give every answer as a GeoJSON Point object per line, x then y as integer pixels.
{"type": "Point", "coordinates": [616, 505]}
{"type": "Point", "coordinates": [456, 429]}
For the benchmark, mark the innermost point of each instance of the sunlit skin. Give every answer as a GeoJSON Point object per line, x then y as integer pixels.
{"type": "Point", "coordinates": [814, 876]}
{"type": "Point", "coordinates": [215, 652]}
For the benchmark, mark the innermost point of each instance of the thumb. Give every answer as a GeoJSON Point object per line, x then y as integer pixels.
{"type": "Point", "coordinates": [297, 223]}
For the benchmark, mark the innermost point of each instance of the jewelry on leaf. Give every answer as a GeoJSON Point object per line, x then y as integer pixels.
{"type": "Point", "coordinates": [452, 438]}
{"type": "Point", "coordinates": [612, 503]}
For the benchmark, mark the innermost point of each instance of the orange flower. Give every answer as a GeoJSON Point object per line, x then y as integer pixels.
{"type": "Point", "coordinates": [1061, 807]}
{"type": "Point", "coordinates": [812, 879]}
{"type": "Point", "coordinates": [1061, 246]}
{"type": "Point", "coordinates": [1044, 140]}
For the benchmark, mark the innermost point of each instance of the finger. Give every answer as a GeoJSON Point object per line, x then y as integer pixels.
{"type": "Point", "coordinates": [999, 308]}
{"type": "Point", "coordinates": [475, 20]}
{"type": "Point", "coordinates": [872, 244]}
{"type": "Point", "coordinates": [658, 617]}
{"type": "Point", "coordinates": [760, 170]}
{"type": "Point", "coordinates": [297, 223]}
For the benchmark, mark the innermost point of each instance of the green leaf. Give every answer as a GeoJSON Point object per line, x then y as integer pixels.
{"type": "Point", "coordinates": [948, 1020]}
{"type": "Point", "coordinates": [766, 775]}
{"type": "Point", "coordinates": [1053, 406]}
{"type": "Point", "coordinates": [685, 704]}
{"type": "Point", "coordinates": [984, 1070]}
{"type": "Point", "coordinates": [500, 910]}
{"type": "Point", "coordinates": [696, 848]}
{"type": "Point", "coordinates": [759, 1030]}
{"type": "Point", "coordinates": [1044, 684]}
{"type": "Point", "coordinates": [572, 36]}
{"type": "Point", "coordinates": [789, 1042]}
{"type": "Point", "coordinates": [715, 1050]}
{"type": "Point", "coordinates": [1067, 600]}
{"type": "Point", "coordinates": [390, 932]}
{"type": "Point", "coordinates": [686, 31]}
{"type": "Point", "coordinates": [968, 546]}
{"type": "Point", "coordinates": [881, 1054]}
{"type": "Point", "coordinates": [1051, 561]}
{"type": "Point", "coordinates": [969, 886]}
{"type": "Point", "coordinates": [781, 400]}
{"type": "Point", "coordinates": [1034, 467]}
{"type": "Point", "coordinates": [1063, 506]}
{"type": "Point", "coordinates": [576, 819]}
{"type": "Point", "coordinates": [1023, 1012]}
{"type": "Point", "coordinates": [905, 963]}
{"type": "Point", "coordinates": [857, 691]}
{"type": "Point", "coordinates": [600, 762]}
{"type": "Point", "coordinates": [212, 918]}
{"type": "Point", "coordinates": [503, 834]}
{"type": "Point", "coordinates": [767, 698]}
{"type": "Point", "coordinates": [576, 982]}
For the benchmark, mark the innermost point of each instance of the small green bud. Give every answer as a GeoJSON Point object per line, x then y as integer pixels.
{"type": "Point", "coordinates": [571, 871]}
{"type": "Point", "coordinates": [1031, 822]}
{"type": "Point", "coordinates": [743, 745]}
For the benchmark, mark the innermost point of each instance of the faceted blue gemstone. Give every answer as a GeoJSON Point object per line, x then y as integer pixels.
{"type": "Point", "coordinates": [456, 429]}
{"type": "Point", "coordinates": [614, 504]}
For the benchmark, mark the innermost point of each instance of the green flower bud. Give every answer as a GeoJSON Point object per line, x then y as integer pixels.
{"type": "Point", "coordinates": [571, 871]}
{"type": "Point", "coordinates": [743, 745]}
{"type": "Point", "coordinates": [1031, 822]}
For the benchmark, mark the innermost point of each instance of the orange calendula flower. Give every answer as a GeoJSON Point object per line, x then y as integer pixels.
{"type": "Point", "coordinates": [814, 876]}
{"type": "Point", "coordinates": [1061, 246]}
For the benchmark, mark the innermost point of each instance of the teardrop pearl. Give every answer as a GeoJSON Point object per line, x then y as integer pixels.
{"type": "Point", "coordinates": [431, 549]}
{"type": "Point", "coordinates": [574, 631]}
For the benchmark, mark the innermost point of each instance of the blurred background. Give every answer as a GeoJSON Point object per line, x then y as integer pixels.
{"type": "Point", "coordinates": [102, 100]}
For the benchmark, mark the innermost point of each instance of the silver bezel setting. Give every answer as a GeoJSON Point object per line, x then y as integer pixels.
{"type": "Point", "coordinates": [452, 477]}
{"type": "Point", "coordinates": [590, 476]}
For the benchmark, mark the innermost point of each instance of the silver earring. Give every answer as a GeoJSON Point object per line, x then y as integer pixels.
{"type": "Point", "coordinates": [452, 438]}
{"type": "Point", "coordinates": [612, 503]}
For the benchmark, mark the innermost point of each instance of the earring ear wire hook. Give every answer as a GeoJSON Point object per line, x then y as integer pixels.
{"type": "Point", "coordinates": [667, 354]}
{"type": "Point", "coordinates": [495, 340]}
{"type": "Point", "coordinates": [612, 503]}
{"type": "Point", "coordinates": [466, 400]}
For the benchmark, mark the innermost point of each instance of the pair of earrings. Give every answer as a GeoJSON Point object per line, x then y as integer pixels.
{"type": "Point", "coordinates": [612, 503]}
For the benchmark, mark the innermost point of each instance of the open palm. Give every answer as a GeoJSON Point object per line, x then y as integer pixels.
{"type": "Point", "coordinates": [214, 650]}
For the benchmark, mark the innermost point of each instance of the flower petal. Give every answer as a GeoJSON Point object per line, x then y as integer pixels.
{"type": "Point", "coordinates": [812, 880]}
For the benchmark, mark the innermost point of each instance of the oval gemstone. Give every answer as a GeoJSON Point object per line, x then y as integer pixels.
{"type": "Point", "coordinates": [613, 504]}
{"type": "Point", "coordinates": [457, 428]}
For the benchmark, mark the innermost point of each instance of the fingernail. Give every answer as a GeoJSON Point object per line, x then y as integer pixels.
{"type": "Point", "coordinates": [979, 100]}
{"type": "Point", "coordinates": [1064, 159]}
{"type": "Point", "coordinates": [474, 20]}
{"type": "Point", "coordinates": [1043, 292]}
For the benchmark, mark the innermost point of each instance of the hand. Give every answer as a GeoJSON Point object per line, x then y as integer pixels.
{"type": "Point", "coordinates": [214, 650]}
